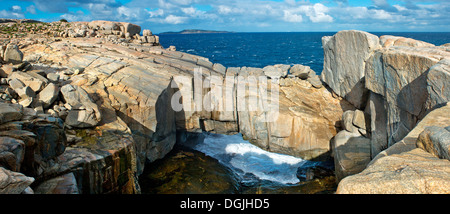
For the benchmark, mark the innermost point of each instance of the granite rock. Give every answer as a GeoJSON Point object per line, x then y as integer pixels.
{"type": "Point", "coordinates": [403, 168]}
{"type": "Point", "coordinates": [84, 113]}
{"type": "Point", "coordinates": [48, 95]}
{"type": "Point", "coordinates": [435, 140]}
{"type": "Point", "coordinates": [13, 54]}
{"type": "Point", "coordinates": [345, 55]}
{"type": "Point", "coordinates": [13, 182]}
{"type": "Point", "coordinates": [12, 152]}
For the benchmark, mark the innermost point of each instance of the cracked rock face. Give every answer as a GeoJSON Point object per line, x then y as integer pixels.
{"type": "Point", "coordinates": [84, 112]}
{"type": "Point", "coordinates": [345, 55]}
{"type": "Point", "coordinates": [403, 168]}
{"type": "Point", "coordinates": [13, 182]}
{"type": "Point", "coordinates": [407, 79]}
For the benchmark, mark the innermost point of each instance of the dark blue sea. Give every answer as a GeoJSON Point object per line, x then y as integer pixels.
{"type": "Point", "coordinates": [262, 49]}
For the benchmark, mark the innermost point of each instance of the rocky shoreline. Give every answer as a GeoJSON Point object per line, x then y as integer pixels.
{"type": "Point", "coordinates": [84, 105]}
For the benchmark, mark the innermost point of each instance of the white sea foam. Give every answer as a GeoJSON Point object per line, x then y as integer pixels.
{"type": "Point", "coordinates": [245, 158]}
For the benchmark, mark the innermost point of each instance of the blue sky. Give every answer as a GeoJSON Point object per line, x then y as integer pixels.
{"type": "Point", "coordinates": [244, 15]}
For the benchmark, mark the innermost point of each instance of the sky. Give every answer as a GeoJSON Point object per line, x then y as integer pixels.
{"type": "Point", "coordinates": [245, 15]}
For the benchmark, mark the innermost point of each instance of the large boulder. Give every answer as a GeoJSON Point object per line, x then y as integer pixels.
{"type": "Point", "coordinates": [42, 139]}
{"type": "Point", "coordinates": [84, 113]}
{"type": "Point", "coordinates": [64, 184]}
{"type": "Point", "coordinates": [104, 25]}
{"type": "Point", "coordinates": [435, 140]}
{"type": "Point", "coordinates": [13, 182]}
{"type": "Point", "coordinates": [48, 95]}
{"type": "Point", "coordinates": [132, 29]}
{"type": "Point", "coordinates": [413, 172]}
{"type": "Point", "coordinates": [388, 41]}
{"type": "Point", "coordinates": [438, 84]}
{"type": "Point", "coordinates": [351, 153]}
{"type": "Point", "coordinates": [409, 82]}
{"type": "Point", "coordinates": [275, 72]}
{"type": "Point", "coordinates": [403, 168]}
{"type": "Point", "coordinates": [12, 152]}
{"type": "Point", "coordinates": [104, 161]}
{"type": "Point", "coordinates": [31, 79]}
{"type": "Point", "coordinates": [13, 54]}
{"type": "Point", "coordinates": [345, 55]}
{"type": "Point", "coordinates": [10, 112]}
{"type": "Point", "coordinates": [301, 71]}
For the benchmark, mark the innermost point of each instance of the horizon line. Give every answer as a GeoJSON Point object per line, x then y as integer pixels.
{"type": "Point", "coordinates": [231, 32]}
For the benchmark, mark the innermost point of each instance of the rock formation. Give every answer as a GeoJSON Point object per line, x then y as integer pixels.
{"type": "Point", "coordinates": [85, 105]}
{"type": "Point", "coordinates": [345, 56]}
{"type": "Point", "coordinates": [399, 81]}
{"type": "Point", "coordinates": [97, 89]}
{"type": "Point", "coordinates": [403, 168]}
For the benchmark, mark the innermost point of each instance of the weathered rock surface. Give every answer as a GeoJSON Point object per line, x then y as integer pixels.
{"type": "Point", "coordinates": [275, 72]}
{"type": "Point", "coordinates": [402, 80]}
{"type": "Point", "coordinates": [435, 140]}
{"type": "Point", "coordinates": [64, 184]}
{"type": "Point", "coordinates": [84, 113]}
{"type": "Point", "coordinates": [33, 80]}
{"type": "Point", "coordinates": [302, 110]}
{"type": "Point", "coordinates": [388, 41]}
{"type": "Point", "coordinates": [345, 55]}
{"type": "Point", "coordinates": [13, 182]}
{"type": "Point", "coordinates": [403, 168]}
{"type": "Point", "coordinates": [13, 54]}
{"type": "Point", "coordinates": [305, 124]}
{"type": "Point", "coordinates": [413, 172]}
{"type": "Point", "coordinates": [438, 84]}
{"type": "Point", "coordinates": [10, 112]}
{"type": "Point", "coordinates": [408, 86]}
{"type": "Point", "coordinates": [351, 153]}
{"type": "Point", "coordinates": [48, 95]}
{"type": "Point", "coordinates": [301, 71]}
{"type": "Point", "coordinates": [12, 152]}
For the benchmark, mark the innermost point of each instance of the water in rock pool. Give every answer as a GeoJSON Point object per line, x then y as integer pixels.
{"type": "Point", "coordinates": [214, 163]}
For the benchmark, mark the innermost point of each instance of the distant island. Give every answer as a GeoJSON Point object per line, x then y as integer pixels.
{"type": "Point", "coordinates": [195, 31]}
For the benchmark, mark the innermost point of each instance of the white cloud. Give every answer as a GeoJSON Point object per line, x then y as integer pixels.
{"type": "Point", "coordinates": [189, 10]}
{"type": "Point", "coordinates": [15, 12]}
{"type": "Point", "coordinates": [292, 17]}
{"type": "Point", "coordinates": [400, 8]}
{"type": "Point", "coordinates": [317, 13]}
{"type": "Point", "coordinates": [16, 8]}
{"type": "Point", "coordinates": [172, 19]}
{"type": "Point", "coordinates": [290, 2]}
{"type": "Point", "coordinates": [249, 15]}
{"type": "Point", "coordinates": [222, 9]}
{"type": "Point", "coordinates": [380, 14]}
{"type": "Point", "coordinates": [156, 13]}
{"type": "Point", "coordinates": [11, 15]}
{"type": "Point", "coordinates": [31, 9]}
{"type": "Point", "coordinates": [125, 11]}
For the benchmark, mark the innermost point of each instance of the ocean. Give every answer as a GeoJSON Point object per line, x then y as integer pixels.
{"type": "Point", "coordinates": [262, 49]}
